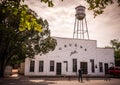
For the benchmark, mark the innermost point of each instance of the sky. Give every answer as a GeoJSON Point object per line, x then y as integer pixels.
{"type": "Point", "coordinates": [61, 19]}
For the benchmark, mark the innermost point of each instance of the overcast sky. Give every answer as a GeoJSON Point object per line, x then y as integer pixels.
{"type": "Point", "coordinates": [61, 20]}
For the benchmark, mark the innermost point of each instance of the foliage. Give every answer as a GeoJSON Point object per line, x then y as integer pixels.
{"type": "Point", "coordinates": [21, 33]}
{"type": "Point", "coordinates": [98, 6]}
{"type": "Point", "coordinates": [116, 45]}
{"type": "Point", "coordinates": [49, 2]}
{"type": "Point", "coordinates": [26, 21]}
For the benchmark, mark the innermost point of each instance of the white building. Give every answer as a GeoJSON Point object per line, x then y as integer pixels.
{"type": "Point", "coordinates": [70, 55]}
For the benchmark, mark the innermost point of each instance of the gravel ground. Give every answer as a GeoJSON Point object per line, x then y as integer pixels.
{"type": "Point", "coordinates": [22, 80]}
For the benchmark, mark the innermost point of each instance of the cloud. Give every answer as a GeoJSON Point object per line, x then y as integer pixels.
{"type": "Point", "coordinates": [61, 18]}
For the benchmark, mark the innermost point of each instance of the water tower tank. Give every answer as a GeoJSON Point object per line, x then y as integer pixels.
{"type": "Point", "coordinates": [80, 12]}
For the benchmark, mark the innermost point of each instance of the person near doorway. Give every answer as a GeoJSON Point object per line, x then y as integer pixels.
{"type": "Point", "coordinates": [80, 75]}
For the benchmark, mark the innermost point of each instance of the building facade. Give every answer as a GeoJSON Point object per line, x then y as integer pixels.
{"type": "Point", "coordinates": [70, 55]}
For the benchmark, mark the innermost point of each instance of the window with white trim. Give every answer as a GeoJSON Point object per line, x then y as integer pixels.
{"type": "Point", "coordinates": [51, 65]}
{"type": "Point", "coordinates": [32, 66]}
{"type": "Point", "coordinates": [41, 66]}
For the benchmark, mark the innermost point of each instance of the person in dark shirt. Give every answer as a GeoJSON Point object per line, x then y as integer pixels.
{"type": "Point", "coordinates": [80, 75]}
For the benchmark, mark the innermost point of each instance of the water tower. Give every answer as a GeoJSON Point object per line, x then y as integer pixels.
{"type": "Point", "coordinates": [80, 26]}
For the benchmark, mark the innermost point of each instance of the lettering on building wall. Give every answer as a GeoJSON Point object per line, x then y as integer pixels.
{"type": "Point", "coordinates": [73, 52]}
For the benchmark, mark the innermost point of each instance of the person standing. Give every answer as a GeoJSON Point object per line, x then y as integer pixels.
{"type": "Point", "coordinates": [80, 75]}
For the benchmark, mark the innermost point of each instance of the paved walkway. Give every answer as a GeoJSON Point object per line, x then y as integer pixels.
{"type": "Point", "coordinates": [21, 80]}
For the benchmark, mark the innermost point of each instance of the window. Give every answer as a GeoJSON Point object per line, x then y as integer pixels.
{"type": "Point", "coordinates": [92, 65]}
{"type": "Point", "coordinates": [41, 66]}
{"type": "Point", "coordinates": [117, 68]}
{"type": "Point", "coordinates": [100, 66]}
{"type": "Point", "coordinates": [32, 65]}
{"type": "Point", "coordinates": [111, 68]}
{"type": "Point", "coordinates": [51, 65]}
{"type": "Point", "coordinates": [74, 65]}
{"type": "Point", "coordinates": [66, 62]}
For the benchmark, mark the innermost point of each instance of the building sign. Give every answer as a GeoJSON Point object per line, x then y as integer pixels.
{"type": "Point", "coordinates": [73, 52]}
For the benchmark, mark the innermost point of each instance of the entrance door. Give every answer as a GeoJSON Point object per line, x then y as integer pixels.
{"type": "Point", "coordinates": [58, 69]}
{"type": "Point", "coordinates": [106, 68]}
{"type": "Point", "coordinates": [83, 66]}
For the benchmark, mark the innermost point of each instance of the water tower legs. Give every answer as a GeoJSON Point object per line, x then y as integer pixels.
{"type": "Point", "coordinates": [80, 29]}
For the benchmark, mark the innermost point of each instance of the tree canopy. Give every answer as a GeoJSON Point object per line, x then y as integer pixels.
{"type": "Point", "coordinates": [97, 6]}
{"type": "Point", "coordinates": [116, 45]}
{"type": "Point", "coordinates": [21, 33]}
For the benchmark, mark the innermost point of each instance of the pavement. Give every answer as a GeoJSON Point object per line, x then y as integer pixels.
{"type": "Point", "coordinates": [22, 80]}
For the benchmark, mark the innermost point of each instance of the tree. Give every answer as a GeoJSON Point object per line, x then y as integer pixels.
{"type": "Point", "coordinates": [98, 6]}
{"type": "Point", "coordinates": [21, 33]}
{"type": "Point", "coordinates": [116, 45]}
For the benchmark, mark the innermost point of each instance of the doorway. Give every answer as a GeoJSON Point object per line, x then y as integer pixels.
{"type": "Point", "coordinates": [106, 68]}
{"type": "Point", "coordinates": [58, 68]}
{"type": "Point", "coordinates": [83, 66]}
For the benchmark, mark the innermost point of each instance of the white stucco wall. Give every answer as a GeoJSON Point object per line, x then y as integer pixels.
{"type": "Point", "coordinates": [82, 55]}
